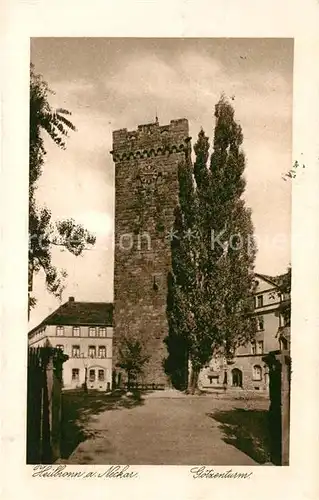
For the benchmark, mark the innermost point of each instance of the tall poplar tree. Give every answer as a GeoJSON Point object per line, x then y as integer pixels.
{"type": "Point", "coordinates": [182, 281]}
{"type": "Point", "coordinates": [213, 252]}
{"type": "Point", "coordinates": [233, 248]}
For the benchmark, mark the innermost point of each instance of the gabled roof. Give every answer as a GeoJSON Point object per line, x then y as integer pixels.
{"type": "Point", "coordinates": [267, 278]}
{"type": "Point", "coordinates": [80, 313]}
{"type": "Point", "coordinates": [276, 281]}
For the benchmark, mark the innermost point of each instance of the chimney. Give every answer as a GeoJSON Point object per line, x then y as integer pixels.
{"type": "Point", "coordinates": [71, 299]}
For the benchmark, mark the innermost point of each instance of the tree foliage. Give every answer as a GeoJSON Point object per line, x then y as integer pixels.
{"type": "Point", "coordinates": [43, 232]}
{"type": "Point", "coordinates": [213, 251]}
{"type": "Point", "coordinates": [284, 292]}
{"type": "Point", "coordinates": [132, 357]}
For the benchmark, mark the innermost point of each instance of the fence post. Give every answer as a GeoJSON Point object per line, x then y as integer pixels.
{"type": "Point", "coordinates": [34, 405]}
{"type": "Point", "coordinates": [44, 404]}
{"type": "Point", "coordinates": [56, 412]}
{"type": "Point", "coordinates": [279, 410]}
{"type": "Point", "coordinates": [285, 397]}
{"type": "Point", "coordinates": [56, 401]}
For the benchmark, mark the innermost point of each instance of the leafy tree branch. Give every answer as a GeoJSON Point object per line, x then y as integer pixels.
{"type": "Point", "coordinates": [43, 232]}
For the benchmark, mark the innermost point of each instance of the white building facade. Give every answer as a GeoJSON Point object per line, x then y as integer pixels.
{"type": "Point", "coordinates": [84, 332]}
{"type": "Point", "coordinates": [247, 370]}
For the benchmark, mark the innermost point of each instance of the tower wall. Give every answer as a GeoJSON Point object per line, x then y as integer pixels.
{"type": "Point", "coordinates": [146, 194]}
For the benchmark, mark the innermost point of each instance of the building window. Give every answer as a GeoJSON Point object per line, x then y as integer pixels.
{"type": "Point", "coordinates": [260, 347]}
{"type": "Point", "coordinates": [257, 372]}
{"type": "Point", "coordinates": [102, 331]}
{"type": "Point", "coordinates": [60, 331]}
{"type": "Point", "coordinates": [102, 351]}
{"type": "Point", "coordinates": [75, 351]}
{"type": "Point", "coordinates": [92, 351]}
{"type": "Point", "coordinates": [253, 347]}
{"type": "Point", "coordinates": [281, 320]}
{"type": "Point", "coordinates": [75, 374]}
{"type": "Point", "coordinates": [92, 375]}
{"type": "Point", "coordinates": [260, 300]}
{"type": "Point", "coordinates": [60, 346]}
{"type": "Point", "coordinates": [76, 331]}
{"type": "Point", "coordinates": [260, 323]}
{"type": "Point", "coordinates": [101, 376]}
{"type": "Point", "coordinates": [92, 331]}
{"type": "Point", "coordinates": [213, 379]}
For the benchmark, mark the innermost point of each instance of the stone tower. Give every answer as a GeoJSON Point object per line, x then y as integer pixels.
{"type": "Point", "coordinates": [146, 193]}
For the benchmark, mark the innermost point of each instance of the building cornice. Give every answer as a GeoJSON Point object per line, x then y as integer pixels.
{"type": "Point", "coordinates": [151, 152]}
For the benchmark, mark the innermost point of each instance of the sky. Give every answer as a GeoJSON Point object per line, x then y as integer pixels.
{"type": "Point", "coordinates": [115, 83]}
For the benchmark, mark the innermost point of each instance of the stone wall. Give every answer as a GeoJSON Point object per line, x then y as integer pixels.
{"type": "Point", "coordinates": [146, 194]}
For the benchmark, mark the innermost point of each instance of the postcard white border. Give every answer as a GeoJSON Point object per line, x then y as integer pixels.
{"type": "Point", "coordinates": [222, 18]}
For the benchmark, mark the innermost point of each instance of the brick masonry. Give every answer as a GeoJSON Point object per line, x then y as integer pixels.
{"type": "Point", "coordinates": [146, 194]}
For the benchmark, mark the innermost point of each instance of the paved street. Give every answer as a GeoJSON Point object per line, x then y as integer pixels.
{"type": "Point", "coordinates": [169, 428]}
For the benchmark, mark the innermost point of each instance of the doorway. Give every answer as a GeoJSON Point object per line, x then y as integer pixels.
{"type": "Point", "coordinates": [237, 377]}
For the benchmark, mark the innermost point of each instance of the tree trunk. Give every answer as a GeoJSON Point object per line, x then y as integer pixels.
{"type": "Point", "coordinates": [189, 375]}
{"type": "Point", "coordinates": [194, 385]}
{"type": "Point", "coordinates": [193, 379]}
{"type": "Point", "coordinates": [86, 380]}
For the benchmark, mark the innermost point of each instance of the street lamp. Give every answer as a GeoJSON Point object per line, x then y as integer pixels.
{"type": "Point", "coordinates": [224, 365]}
{"type": "Point", "coordinates": [85, 364]}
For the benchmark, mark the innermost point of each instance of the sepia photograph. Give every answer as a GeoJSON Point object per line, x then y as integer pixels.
{"type": "Point", "coordinates": [159, 223]}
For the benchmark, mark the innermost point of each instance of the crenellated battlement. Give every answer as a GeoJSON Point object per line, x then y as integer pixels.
{"type": "Point", "coordinates": [150, 140]}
